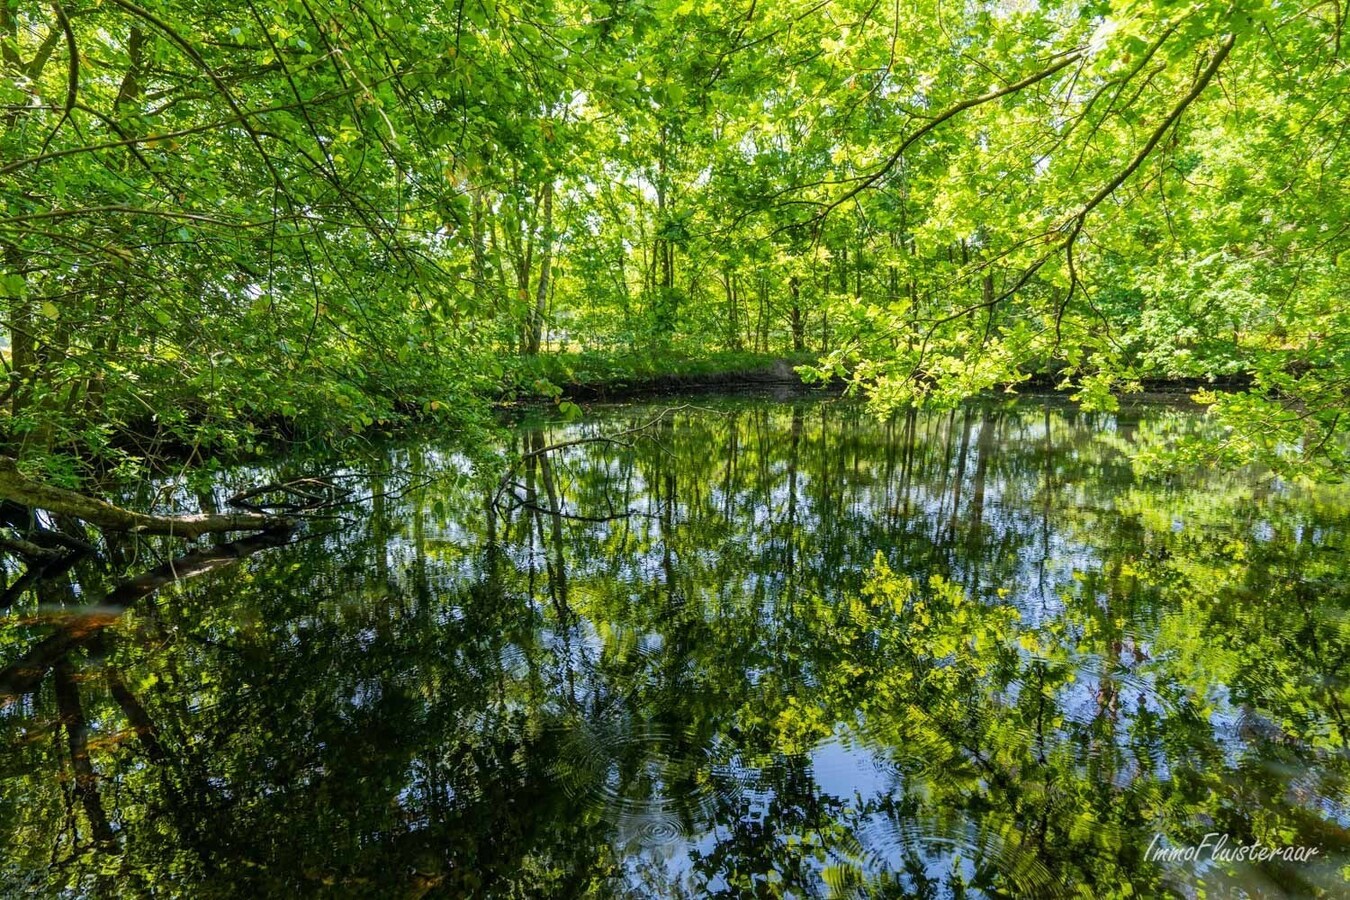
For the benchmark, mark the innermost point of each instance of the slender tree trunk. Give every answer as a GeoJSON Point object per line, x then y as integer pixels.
{"type": "Point", "coordinates": [536, 333]}
{"type": "Point", "coordinates": [479, 249]}
{"type": "Point", "coordinates": [22, 345]}
{"type": "Point", "coordinates": [762, 323]}
{"type": "Point", "coordinates": [858, 271]}
{"type": "Point", "coordinates": [795, 316]}
{"type": "Point", "coordinates": [130, 89]}
{"type": "Point", "coordinates": [733, 323]}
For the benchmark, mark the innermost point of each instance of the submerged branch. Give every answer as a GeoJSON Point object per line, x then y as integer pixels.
{"type": "Point", "coordinates": [24, 675]}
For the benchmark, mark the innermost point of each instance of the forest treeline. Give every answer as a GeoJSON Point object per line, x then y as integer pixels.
{"type": "Point", "coordinates": [308, 217]}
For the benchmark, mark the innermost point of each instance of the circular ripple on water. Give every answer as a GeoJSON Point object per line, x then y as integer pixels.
{"type": "Point", "coordinates": [887, 839]}
{"type": "Point", "coordinates": [653, 825]}
{"type": "Point", "coordinates": [651, 783]}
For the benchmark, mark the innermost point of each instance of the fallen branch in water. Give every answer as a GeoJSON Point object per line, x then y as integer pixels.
{"type": "Point", "coordinates": [302, 495]}
{"type": "Point", "coordinates": [109, 517]}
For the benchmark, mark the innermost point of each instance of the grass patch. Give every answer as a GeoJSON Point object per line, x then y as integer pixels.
{"type": "Point", "coordinates": [599, 372]}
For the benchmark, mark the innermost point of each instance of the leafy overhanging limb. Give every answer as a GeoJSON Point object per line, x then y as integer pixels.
{"type": "Point", "coordinates": [864, 182]}
{"type": "Point", "coordinates": [108, 517]}
{"type": "Point", "coordinates": [1063, 237]}
{"type": "Point", "coordinates": [1076, 224]}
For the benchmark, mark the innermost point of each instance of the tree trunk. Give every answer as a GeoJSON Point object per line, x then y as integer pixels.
{"type": "Point", "coordinates": [733, 323]}
{"type": "Point", "coordinates": [22, 353]}
{"type": "Point", "coordinates": [478, 238]}
{"type": "Point", "coordinates": [536, 335]}
{"type": "Point", "coordinates": [795, 316]}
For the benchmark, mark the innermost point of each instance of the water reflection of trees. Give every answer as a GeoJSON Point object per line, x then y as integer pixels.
{"type": "Point", "coordinates": [640, 674]}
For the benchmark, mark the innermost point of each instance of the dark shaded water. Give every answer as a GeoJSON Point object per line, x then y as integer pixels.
{"type": "Point", "coordinates": [764, 648]}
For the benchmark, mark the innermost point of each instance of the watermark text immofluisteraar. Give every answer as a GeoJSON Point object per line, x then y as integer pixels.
{"type": "Point", "coordinates": [1221, 848]}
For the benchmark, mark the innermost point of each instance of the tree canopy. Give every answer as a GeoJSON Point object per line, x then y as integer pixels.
{"type": "Point", "coordinates": [303, 218]}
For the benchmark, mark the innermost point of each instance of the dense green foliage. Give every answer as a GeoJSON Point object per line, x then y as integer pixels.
{"type": "Point", "coordinates": [308, 217]}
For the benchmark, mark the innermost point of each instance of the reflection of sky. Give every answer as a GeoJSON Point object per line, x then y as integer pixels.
{"type": "Point", "coordinates": [745, 544]}
{"type": "Point", "coordinates": [846, 769]}
{"type": "Point", "coordinates": [1046, 502]}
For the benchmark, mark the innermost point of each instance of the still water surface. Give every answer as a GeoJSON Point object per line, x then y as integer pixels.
{"type": "Point", "coordinates": [766, 647]}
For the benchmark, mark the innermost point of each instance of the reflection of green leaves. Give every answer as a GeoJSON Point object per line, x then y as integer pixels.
{"type": "Point", "coordinates": [500, 701]}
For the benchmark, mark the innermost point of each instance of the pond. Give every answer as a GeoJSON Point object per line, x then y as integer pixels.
{"type": "Point", "coordinates": [742, 647]}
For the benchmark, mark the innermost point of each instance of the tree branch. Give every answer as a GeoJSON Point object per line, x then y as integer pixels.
{"type": "Point", "coordinates": [106, 516]}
